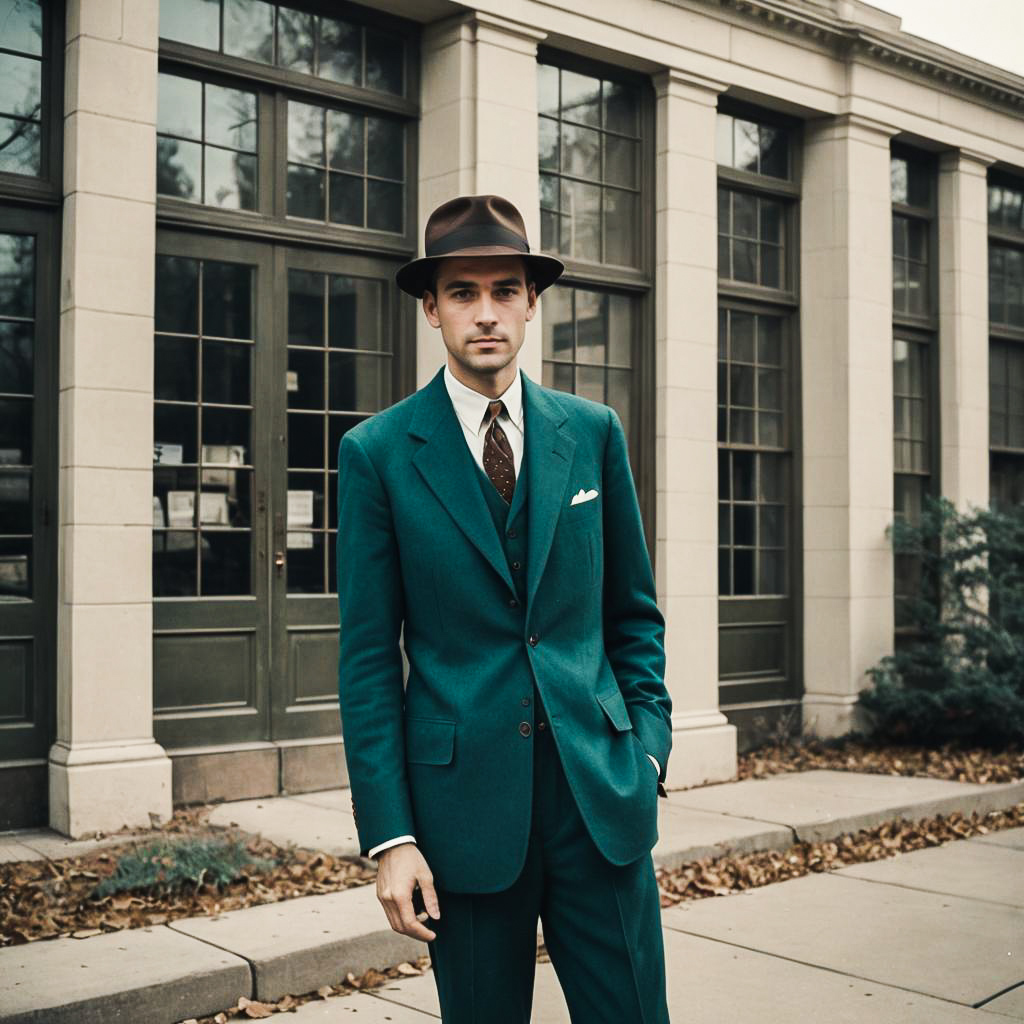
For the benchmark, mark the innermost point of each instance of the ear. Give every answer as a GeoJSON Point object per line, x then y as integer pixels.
{"type": "Point", "coordinates": [531, 301]}
{"type": "Point", "coordinates": [430, 308]}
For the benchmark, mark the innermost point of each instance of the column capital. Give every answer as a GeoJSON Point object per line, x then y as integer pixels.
{"type": "Point", "coordinates": [478, 26]}
{"type": "Point", "coordinates": [687, 85]}
{"type": "Point", "coordinates": [968, 161]}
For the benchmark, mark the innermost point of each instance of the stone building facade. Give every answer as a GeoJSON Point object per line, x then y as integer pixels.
{"type": "Point", "coordinates": [794, 241]}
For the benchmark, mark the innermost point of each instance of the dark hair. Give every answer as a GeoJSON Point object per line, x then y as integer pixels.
{"type": "Point", "coordinates": [431, 285]}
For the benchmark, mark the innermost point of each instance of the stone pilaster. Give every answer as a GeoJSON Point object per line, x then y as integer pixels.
{"type": "Point", "coordinates": [106, 771]}
{"type": "Point", "coordinates": [686, 342]}
{"type": "Point", "coordinates": [963, 327]}
{"type": "Point", "coordinates": [478, 135]}
{"type": "Point", "coordinates": [847, 400]}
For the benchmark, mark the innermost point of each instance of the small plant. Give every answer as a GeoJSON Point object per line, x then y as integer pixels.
{"type": "Point", "coordinates": [163, 866]}
{"type": "Point", "coordinates": [961, 680]}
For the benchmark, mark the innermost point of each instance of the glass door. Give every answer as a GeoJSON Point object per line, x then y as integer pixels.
{"type": "Point", "coordinates": [213, 349]}
{"type": "Point", "coordinates": [336, 364]}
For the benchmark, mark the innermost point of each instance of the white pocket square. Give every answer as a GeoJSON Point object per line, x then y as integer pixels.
{"type": "Point", "coordinates": [582, 495]}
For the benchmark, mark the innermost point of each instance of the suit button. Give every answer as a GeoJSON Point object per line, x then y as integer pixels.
{"type": "Point", "coordinates": [534, 640]}
{"type": "Point", "coordinates": [512, 602]}
{"type": "Point", "coordinates": [525, 702]}
{"type": "Point", "coordinates": [541, 726]}
{"type": "Point", "coordinates": [512, 532]}
{"type": "Point", "coordinates": [524, 728]}
{"type": "Point", "coordinates": [515, 565]}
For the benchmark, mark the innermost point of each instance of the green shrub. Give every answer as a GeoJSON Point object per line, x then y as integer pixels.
{"type": "Point", "coordinates": [961, 678]}
{"type": "Point", "coordinates": [163, 866]}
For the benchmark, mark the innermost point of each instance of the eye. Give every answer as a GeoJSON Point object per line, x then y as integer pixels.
{"type": "Point", "coordinates": [506, 291]}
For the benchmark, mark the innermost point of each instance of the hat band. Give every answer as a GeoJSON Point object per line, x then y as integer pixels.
{"type": "Point", "coordinates": [477, 234]}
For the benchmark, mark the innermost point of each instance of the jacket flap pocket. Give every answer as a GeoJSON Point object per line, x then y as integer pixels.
{"type": "Point", "coordinates": [614, 706]}
{"type": "Point", "coordinates": [429, 740]}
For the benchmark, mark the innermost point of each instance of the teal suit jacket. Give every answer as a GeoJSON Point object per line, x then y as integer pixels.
{"type": "Point", "coordinates": [442, 757]}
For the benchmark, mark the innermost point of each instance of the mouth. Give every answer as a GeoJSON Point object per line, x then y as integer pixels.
{"type": "Point", "coordinates": [485, 341]}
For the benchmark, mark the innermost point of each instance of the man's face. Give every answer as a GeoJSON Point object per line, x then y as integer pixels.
{"type": "Point", "coordinates": [482, 306]}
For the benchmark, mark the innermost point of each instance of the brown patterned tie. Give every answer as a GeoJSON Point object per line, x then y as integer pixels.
{"type": "Point", "coordinates": [498, 463]}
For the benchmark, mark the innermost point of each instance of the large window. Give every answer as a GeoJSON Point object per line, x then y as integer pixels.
{"type": "Point", "coordinates": [595, 158]}
{"type": "Point", "coordinates": [915, 326]}
{"type": "Point", "coordinates": [1006, 344]}
{"type": "Point", "coordinates": [758, 530]}
{"type": "Point", "coordinates": [285, 152]}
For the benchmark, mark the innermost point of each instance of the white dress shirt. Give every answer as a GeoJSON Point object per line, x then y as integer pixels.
{"type": "Point", "coordinates": [470, 407]}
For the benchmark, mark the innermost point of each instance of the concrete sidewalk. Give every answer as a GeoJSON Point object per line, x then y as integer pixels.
{"type": "Point", "coordinates": [925, 936]}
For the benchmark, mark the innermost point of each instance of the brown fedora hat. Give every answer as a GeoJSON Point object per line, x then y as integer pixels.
{"type": "Point", "coordinates": [475, 226]}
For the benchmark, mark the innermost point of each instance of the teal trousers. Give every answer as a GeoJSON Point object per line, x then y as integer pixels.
{"type": "Point", "coordinates": [601, 922]}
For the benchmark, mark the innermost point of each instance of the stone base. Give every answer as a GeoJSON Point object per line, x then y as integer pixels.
{"type": "Point", "coordinates": [830, 714]}
{"type": "Point", "coordinates": [98, 788]}
{"type": "Point", "coordinates": [703, 749]}
{"type": "Point", "coordinates": [244, 771]}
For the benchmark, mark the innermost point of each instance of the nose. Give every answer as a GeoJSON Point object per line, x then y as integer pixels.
{"type": "Point", "coordinates": [485, 316]}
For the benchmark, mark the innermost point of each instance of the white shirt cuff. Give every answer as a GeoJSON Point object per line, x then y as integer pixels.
{"type": "Point", "coordinates": [374, 850]}
{"type": "Point", "coordinates": [655, 760]}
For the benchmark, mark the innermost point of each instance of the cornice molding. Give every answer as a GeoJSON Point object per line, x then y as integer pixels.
{"type": "Point", "coordinates": [850, 41]}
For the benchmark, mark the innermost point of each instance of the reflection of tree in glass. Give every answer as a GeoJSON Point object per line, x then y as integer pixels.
{"type": "Point", "coordinates": [172, 179]}
{"type": "Point", "coordinates": [21, 25]}
{"type": "Point", "coordinates": [17, 276]}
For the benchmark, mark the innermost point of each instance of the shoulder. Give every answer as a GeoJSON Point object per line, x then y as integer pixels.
{"type": "Point", "coordinates": [582, 413]}
{"type": "Point", "coordinates": [379, 432]}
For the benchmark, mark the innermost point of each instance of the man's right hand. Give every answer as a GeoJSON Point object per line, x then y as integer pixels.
{"type": "Point", "coordinates": [400, 868]}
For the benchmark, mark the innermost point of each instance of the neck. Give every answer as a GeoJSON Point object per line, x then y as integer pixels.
{"type": "Point", "coordinates": [490, 384]}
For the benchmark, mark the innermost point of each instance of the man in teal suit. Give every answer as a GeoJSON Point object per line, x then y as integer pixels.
{"type": "Point", "coordinates": [493, 523]}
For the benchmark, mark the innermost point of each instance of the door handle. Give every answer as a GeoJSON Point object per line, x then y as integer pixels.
{"type": "Point", "coordinates": [279, 563]}
{"type": "Point", "coordinates": [279, 543]}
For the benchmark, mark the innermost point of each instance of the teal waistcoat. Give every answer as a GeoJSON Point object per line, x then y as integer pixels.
{"type": "Point", "coordinates": [510, 517]}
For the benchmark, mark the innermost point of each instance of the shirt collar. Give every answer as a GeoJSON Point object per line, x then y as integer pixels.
{"type": "Point", "coordinates": [470, 405]}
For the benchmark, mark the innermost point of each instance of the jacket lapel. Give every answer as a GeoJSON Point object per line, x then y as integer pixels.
{"type": "Point", "coordinates": [446, 465]}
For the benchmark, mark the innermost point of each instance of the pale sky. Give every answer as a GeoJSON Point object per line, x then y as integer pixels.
{"type": "Point", "coordinates": [989, 30]}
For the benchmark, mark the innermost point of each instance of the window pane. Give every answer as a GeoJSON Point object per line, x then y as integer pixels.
{"type": "Point", "coordinates": [547, 89]}
{"type": "Point", "coordinates": [295, 40]}
{"type": "Point", "coordinates": [346, 199]}
{"type": "Point", "coordinates": [17, 276]}
{"type": "Point", "coordinates": [581, 152]}
{"type": "Point", "coordinates": [177, 295]}
{"type": "Point", "coordinates": [620, 108]}
{"type": "Point", "coordinates": [22, 23]}
{"type": "Point", "coordinates": [16, 357]}
{"type": "Point", "coordinates": [179, 106]}
{"type": "Point", "coordinates": [231, 118]}
{"type": "Point", "coordinates": [355, 314]}
{"type": "Point", "coordinates": [305, 192]}
{"type": "Point", "coordinates": [230, 179]}
{"type": "Point", "coordinates": [305, 133]}
{"type": "Point", "coordinates": [196, 22]}
{"type": "Point", "coordinates": [340, 51]}
{"type": "Point", "coordinates": [345, 140]}
{"type": "Point", "coordinates": [20, 150]}
{"type": "Point", "coordinates": [620, 226]}
{"type": "Point", "coordinates": [179, 169]}
{"type": "Point", "coordinates": [581, 98]}
{"type": "Point", "coordinates": [20, 85]}
{"type": "Point", "coordinates": [384, 63]}
{"type": "Point", "coordinates": [582, 205]}
{"type": "Point", "coordinates": [305, 307]}
{"type": "Point", "coordinates": [249, 30]}
{"type": "Point", "coordinates": [385, 142]}
{"type": "Point", "coordinates": [384, 205]}
{"type": "Point", "coordinates": [227, 300]}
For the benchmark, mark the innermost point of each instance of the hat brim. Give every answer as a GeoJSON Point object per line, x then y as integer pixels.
{"type": "Point", "coordinates": [415, 275]}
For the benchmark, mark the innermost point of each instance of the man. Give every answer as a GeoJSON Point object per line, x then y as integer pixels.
{"type": "Point", "coordinates": [516, 775]}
